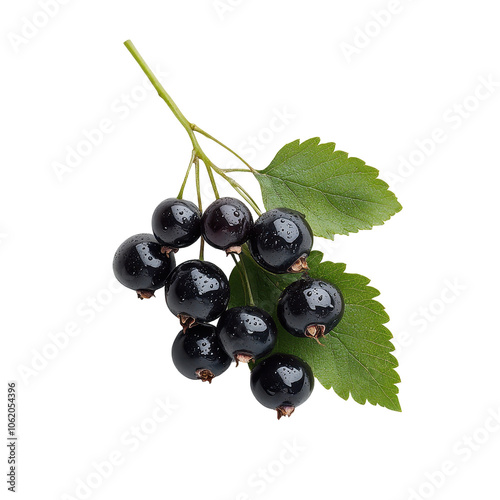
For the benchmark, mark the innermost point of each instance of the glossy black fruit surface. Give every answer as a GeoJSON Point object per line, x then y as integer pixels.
{"type": "Point", "coordinates": [226, 224]}
{"type": "Point", "coordinates": [282, 382]}
{"type": "Point", "coordinates": [310, 308]}
{"type": "Point", "coordinates": [139, 264]}
{"type": "Point", "coordinates": [176, 223]}
{"type": "Point", "coordinates": [198, 355]}
{"type": "Point", "coordinates": [247, 333]}
{"type": "Point", "coordinates": [281, 240]}
{"type": "Point", "coordinates": [197, 292]}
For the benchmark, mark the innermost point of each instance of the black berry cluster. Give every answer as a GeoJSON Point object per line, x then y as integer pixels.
{"type": "Point", "coordinates": [197, 292]}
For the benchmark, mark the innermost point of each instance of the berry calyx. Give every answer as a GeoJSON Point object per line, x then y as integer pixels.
{"type": "Point", "coordinates": [310, 308]}
{"type": "Point", "coordinates": [281, 241]}
{"type": "Point", "coordinates": [199, 354]}
{"type": "Point", "coordinates": [140, 265]}
{"type": "Point", "coordinates": [226, 224]}
{"type": "Point", "coordinates": [176, 224]}
{"type": "Point", "coordinates": [247, 333]}
{"type": "Point", "coordinates": [282, 382]}
{"type": "Point", "coordinates": [197, 292]}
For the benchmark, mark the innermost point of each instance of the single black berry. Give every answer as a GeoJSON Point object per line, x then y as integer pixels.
{"type": "Point", "coordinates": [281, 241]}
{"type": "Point", "coordinates": [226, 224]}
{"type": "Point", "coordinates": [282, 382]}
{"type": "Point", "coordinates": [199, 355]}
{"type": "Point", "coordinates": [310, 308]}
{"type": "Point", "coordinates": [197, 292]}
{"type": "Point", "coordinates": [139, 264]}
{"type": "Point", "coordinates": [176, 224]}
{"type": "Point", "coordinates": [247, 333]}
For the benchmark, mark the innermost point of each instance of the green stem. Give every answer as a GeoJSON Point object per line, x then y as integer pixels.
{"type": "Point", "coordinates": [238, 188]}
{"type": "Point", "coordinates": [252, 303]}
{"type": "Point", "coordinates": [202, 248]}
{"type": "Point", "coordinates": [200, 206]}
{"type": "Point", "coordinates": [181, 192]}
{"type": "Point", "coordinates": [229, 170]}
{"type": "Point", "coordinates": [189, 127]}
{"type": "Point", "coordinates": [244, 277]}
{"type": "Point", "coordinates": [212, 138]}
{"type": "Point", "coordinates": [212, 181]}
{"type": "Point", "coordinates": [166, 97]}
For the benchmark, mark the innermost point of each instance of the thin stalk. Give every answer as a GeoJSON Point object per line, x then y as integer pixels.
{"type": "Point", "coordinates": [212, 181]}
{"type": "Point", "coordinates": [252, 303]}
{"type": "Point", "coordinates": [239, 272]}
{"type": "Point", "coordinates": [198, 189]}
{"type": "Point", "coordinates": [248, 199]}
{"type": "Point", "coordinates": [244, 276]}
{"type": "Point", "coordinates": [238, 189]}
{"type": "Point", "coordinates": [212, 138]}
{"type": "Point", "coordinates": [200, 205]}
{"type": "Point", "coordinates": [202, 248]}
{"type": "Point", "coordinates": [181, 192]}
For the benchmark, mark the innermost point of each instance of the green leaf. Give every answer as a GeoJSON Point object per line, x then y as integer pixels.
{"type": "Point", "coordinates": [356, 356]}
{"type": "Point", "coordinates": [337, 194]}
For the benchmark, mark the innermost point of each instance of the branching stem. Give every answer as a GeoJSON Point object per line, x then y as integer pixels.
{"type": "Point", "coordinates": [212, 138]}
{"type": "Point", "coordinates": [181, 192]}
{"type": "Point", "coordinates": [190, 128]}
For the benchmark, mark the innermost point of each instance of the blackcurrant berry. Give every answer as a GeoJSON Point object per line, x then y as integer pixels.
{"type": "Point", "coordinates": [199, 354]}
{"type": "Point", "coordinates": [197, 292]}
{"type": "Point", "coordinates": [281, 240]}
{"type": "Point", "coordinates": [226, 224]}
{"type": "Point", "coordinates": [310, 308]}
{"type": "Point", "coordinates": [139, 264]}
{"type": "Point", "coordinates": [282, 382]}
{"type": "Point", "coordinates": [176, 224]}
{"type": "Point", "coordinates": [247, 333]}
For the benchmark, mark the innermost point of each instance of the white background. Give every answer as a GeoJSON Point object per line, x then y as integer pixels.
{"type": "Point", "coordinates": [231, 70]}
